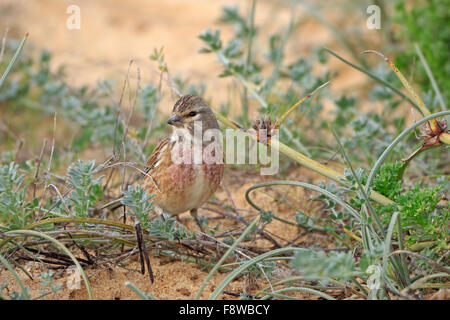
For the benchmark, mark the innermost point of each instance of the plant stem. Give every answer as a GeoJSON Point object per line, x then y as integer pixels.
{"type": "Point", "coordinates": [430, 75]}
{"type": "Point", "coordinates": [307, 162]}
{"type": "Point", "coordinates": [375, 77]}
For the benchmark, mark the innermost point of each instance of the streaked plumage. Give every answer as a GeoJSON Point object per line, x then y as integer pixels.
{"type": "Point", "coordinates": [183, 187]}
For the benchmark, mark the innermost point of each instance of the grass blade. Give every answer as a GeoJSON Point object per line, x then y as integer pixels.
{"type": "Point", "coordinates": [387, 244]}
{"type": "Point", "coordinates": [297, 104]}
{"type": "Point", "coordinates": [430, 75]}
{"type": "Point", "coordinates": [375, 77]}
{"type": "Point", "coordinates": [360, 186]}
{"type": "Point", "coordinates": [13, 60]}
{"type": "Point", "coordinates": [405, 82]}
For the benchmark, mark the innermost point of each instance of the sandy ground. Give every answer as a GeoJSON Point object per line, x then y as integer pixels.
{"type": "Point", "coordinates": [113, 33]}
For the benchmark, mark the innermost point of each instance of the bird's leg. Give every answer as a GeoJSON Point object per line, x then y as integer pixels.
{"type": "Point", "coordinates": [143, 254]}
{"type": "Point", "coordinates": [194, 214]}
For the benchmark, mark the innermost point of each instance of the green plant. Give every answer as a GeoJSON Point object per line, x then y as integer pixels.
{"type": "Point", "coordinates": [169, 228]}
{"type": "Point", "coordinates": [15, 211]}
{"type": "Point", "coordinates": [87, 190]}
{"type": "Point", "coordinates": [319, 266]}
{"type": "Point", "coordinates": [421, 218]}
{"type": "Point", "coordinates": [47, 279]}
{"type": "Point", "coordinates": [139, 204]}
{"type": "Point", "coordinates": [240, 60]}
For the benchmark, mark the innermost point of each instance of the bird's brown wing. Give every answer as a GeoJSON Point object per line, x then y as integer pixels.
{"type": "Point", "coordinates": [156, 155]}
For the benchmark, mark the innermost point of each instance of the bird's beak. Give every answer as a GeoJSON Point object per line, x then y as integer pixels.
{"type": "Point", "coordinates": [174, 120]}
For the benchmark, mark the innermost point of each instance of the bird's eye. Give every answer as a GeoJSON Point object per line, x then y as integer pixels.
{"type": "Point", "coordinates": [192, 114]}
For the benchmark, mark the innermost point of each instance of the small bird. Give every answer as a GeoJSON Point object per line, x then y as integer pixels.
{"type": "Point", "coordinates": [184, 186]}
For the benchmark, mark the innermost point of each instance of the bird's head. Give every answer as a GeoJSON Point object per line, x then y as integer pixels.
{"type": "Point", "coordinates": [188, 110]}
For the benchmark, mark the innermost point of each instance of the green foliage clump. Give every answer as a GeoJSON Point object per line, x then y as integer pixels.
{"type": "Point", "coordinates": [15, 211]}
{"type": "Point", "coordinates": [33, 86]}
{"type": "Point", "coordinates": [242, 59]}
{"type": "Point", "coordinates": [48, 284]}
{"type": "Point", "coordinates": [388, 179]}
{"type": "Point", "coordinates": [421, 220]}
{"type": "Point", "coordinates": [137, 201]}
{"type": "Point", "coordinates": [87, 190]}
{"type": "Point", "coordinates": [316, 265]}
{"type": "Point", "coordinates": [170, 229]}
{"type": "Point", "coordinates": [139, 204]}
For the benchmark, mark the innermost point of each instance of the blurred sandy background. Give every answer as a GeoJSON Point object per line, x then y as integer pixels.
{"type": "Point", "coordinates": [114, 31]}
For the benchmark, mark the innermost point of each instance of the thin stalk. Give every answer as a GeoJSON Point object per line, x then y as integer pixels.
{"type": "Point", "coordinates": [401, 246]}
{"type": "Point", "coordinates": [13, 60]}
{"type": "Point", "coordinates": [361, 188]}
{"type": "Point", "coordinates": [405, 83]}
{"type": "Point", "coordinates": [387, 246]}
{"type": "Point", "coordinates": [79, 220]}
{"type": "Point", "coordinates": [285, 297]}
{"type": "Point", "coordinates": [297, 104]}
{"type": "Point", "coordinates": [423, 108]}
{"type": "Point", "coordinates": [428, 260]}
{"type": "Point", "coordinates": [421, 281]}
{"type": "Point", "coordinates": [419, 246]}
{"type": "Point", "coordinates": [74, 220]}
{"type": "Point", "coordinates": [364, 292]}
{"type": "Point", "coordinates": [430, 75]}
{"type": "Point", "coordinates": [375, 77]}
{"type": "Point", "coordinates": [288, 280]}
{"type": "Point", "coordinates": [299, 278]}
{"type": "Point", "coordinates": [297, 224]}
